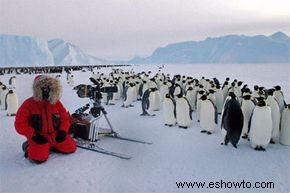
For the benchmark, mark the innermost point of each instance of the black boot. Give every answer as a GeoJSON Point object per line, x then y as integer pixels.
{"type": "Point", "coordinates": [24, 148]}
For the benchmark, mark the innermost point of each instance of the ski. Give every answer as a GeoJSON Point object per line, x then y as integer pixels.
{"type": "Point", "coordinates": [127, 139]}
{"type": "Point", "coordinates": [95, 148]}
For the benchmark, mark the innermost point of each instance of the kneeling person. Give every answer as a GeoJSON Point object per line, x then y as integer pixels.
{"type": "Point", "coordinates": [44, 121]}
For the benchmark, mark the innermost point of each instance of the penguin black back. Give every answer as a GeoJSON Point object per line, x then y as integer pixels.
{"type": "Point", "coordinates": [232, 121]}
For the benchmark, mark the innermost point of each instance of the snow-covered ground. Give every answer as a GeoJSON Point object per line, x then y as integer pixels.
{"type": "Point", "coordinates": [176, 155]}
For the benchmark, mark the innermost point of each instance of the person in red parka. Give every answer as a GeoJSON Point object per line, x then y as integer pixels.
{"type": "Point", "coordinates": [44, 121]}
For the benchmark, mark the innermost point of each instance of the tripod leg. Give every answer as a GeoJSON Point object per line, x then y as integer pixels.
{"type": "Point", "coordinates": [94, 129]}
{"type": "Point", "coordinates": [111, 127]}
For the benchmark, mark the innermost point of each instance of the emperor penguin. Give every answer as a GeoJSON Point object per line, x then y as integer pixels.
{"type": "Point", "coordinates": [219, 99]}
{"type": "Point", "coordinates": [169, 111]}
{"type": "Point", "coordinates": [12, 103]}
{"type": "Point", "coordinates": [164, 89]}
{"type": "Point", "coordinates": [183, 111]}
{"type": "Point", "coordinates": [260, 126]}
{"type": "Point", "coordinates": [177, 91]}
{"type": "Point", "coordinates": [208, 115]}
{"type": "Point", "coordinates": [285, 126]}
{"type": "Point", "coordinates": [148, 98]}
{"type": "Point", "coordinates": [198, 104]}
{"type": "Point", "coordinates": [154, 100]}
{"type": "Point", "coordinates": [128, 100]}
{"type": "Point", "coordinates": [71, 80]}
{"type": "Point", "coordinates": [278, 94]}
{"type": "Point", "coordinates": [232, 121]}
{"type": "Point", "coordinates": [248, 106]}
{"type": "Point", "coordinates": [190, 94]}
{"type": "Point", "coordinates": [225, 89]}
{"type": "Point", "coordinates": [276, 116]}
{"type": "Point", "coordinates": [211, 96]}
{"type": "Point", "coordinates": [3, 98]}
{"type": "Point", "coordinates": [256, 92]}
{"type": "Point", "coordinates": [2, 86]}
{"type": "Point", "coordinates": [12, 82]}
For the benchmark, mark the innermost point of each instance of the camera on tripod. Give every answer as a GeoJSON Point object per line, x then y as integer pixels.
{"type": "Point", "coordinates": [85, 125]}
{"type": "Point", "coordinates": [94, 92]}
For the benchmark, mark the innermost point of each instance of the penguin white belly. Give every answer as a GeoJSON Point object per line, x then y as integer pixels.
{"type": "Point", "coordinates": [280, 99]}
{"type": "Point", "coordinates": [154, 101]}
{"type": "Point", "coordinates": [247, 109]}
{"type": "Point", "coordinates": [182, 112]}
{"type": "Point", "coordinates": [71, 81]}
{"type": "Point", "coordinates": [198, 106]}
{"type": "Point", "coordinates": [135, 93]}
{"type": "Point", "coordinates": [261, 127]}
{"type": "Point", "coordinates": [190, 95]}
{"type": "Point", "coordinates": [285, 127]}
{"type": "Point", "coordinates": [129, 99]}
{"type": "Point", "coordinates": [219, 101]}
{"type": "Point", "coordinates": [207, 116]}
{"type": "Point", "coordinates": [163, 91]}
{"type": "Point", "coordinates": [275, 112]}
{"type": "Point", "coordinates": [13, 83]}
{"type": "Point", "coordinates": [168, 112]}
{"type": "Point", "coordinates": [12, 104]}
{"type": "Point", "coordinates": [3, 97]}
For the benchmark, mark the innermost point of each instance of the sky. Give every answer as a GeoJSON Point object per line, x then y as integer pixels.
{"type": "Point", "coordinates": [123, 29]}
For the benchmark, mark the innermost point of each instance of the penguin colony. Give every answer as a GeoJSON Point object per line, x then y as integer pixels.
{"type": "Point", "coordinates": [253, 115]}
{"type": "Point", "coordinates": [260, 116]}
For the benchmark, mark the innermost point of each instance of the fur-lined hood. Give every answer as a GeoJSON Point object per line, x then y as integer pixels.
{"type": "Point", "coordinates": [46, 81]}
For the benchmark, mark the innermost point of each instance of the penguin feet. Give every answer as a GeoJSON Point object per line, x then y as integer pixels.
{"type": "Point", "coordinates": [144, 114]}
{"type": "Point", "coordinates": [223, 143]}
{"type": "Point", "coordinates": [11, 115]}
{"type": "Point", "coordinates": [131, 105]}
{"type": "Point", "coordinates": [235, 146]}
{"type": "Point", "coordinates": [245, 136]}
{"type": "Point", "coordinates": [260, 148]}
{"type": "Point", "coordinates": [272, 142]}
{"type": "Point", "coordinates": [24, 148]}
{"type": "Point", "coordinates": [183, 127]}
{"type": "Point", "coordinates": [203, 131]}
{"type": "Point", "coordinates": [208, 132]}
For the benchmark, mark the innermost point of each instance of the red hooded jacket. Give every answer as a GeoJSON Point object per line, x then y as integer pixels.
{"type": "Point", "coordinates": [41, 117]}
{"type": "Point", "coordinates": [44, 117]}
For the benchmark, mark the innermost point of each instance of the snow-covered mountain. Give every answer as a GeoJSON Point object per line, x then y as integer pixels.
{"type": "Point", "coordinates": [24, 50]}
{"type": "Point", "coordinates": [225, 49]}
{"type": "Point", "coordinates": [32, 51]}
{"type": "Point", "coordinates": [67, 53]}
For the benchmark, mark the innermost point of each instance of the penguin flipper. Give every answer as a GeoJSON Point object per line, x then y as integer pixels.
{"type": "Point", "coordinates": [223, 116]}
{"type": "Point", "coordinates": [235, 145]}
{"type": "Point", "coordinates": [190, 110]}
{"type": "Point", "coordinates": [215, 114]}
{"type": "Point", "coordinates": [141, 90]}
{"type": "Point", "coordinates": [250, 123]}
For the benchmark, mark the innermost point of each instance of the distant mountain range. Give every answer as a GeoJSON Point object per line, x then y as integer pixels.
{"type": "Point", "coordinates": [226, 49]}
{"type": "Point", "coordinates": [31, 51]}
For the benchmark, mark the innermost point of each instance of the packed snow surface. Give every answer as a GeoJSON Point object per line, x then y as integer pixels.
{"type": "Point", "coordinates": [176, 155]}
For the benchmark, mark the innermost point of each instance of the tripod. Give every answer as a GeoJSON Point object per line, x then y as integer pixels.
{"type": "Point", "coordinates": [94, 116]}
